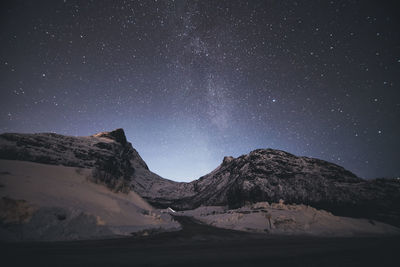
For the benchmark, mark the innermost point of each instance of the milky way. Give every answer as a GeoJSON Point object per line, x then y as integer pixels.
{"type": "Point", "coordinates": [193, 81]}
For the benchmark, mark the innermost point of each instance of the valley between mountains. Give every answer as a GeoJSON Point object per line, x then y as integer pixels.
{"type": "Point", "coordinates": [56, 187]}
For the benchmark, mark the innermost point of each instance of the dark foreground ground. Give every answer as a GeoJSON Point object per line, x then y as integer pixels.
{"type": "Point", "coordinates": [201, 245]}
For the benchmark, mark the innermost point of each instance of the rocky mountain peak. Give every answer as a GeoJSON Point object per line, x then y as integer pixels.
{"type": "Point", "coordinates": [109, 154]}
{"type": "Point", "coordinates": [117, 135]}
{"type": "Point", "coordinates": [261, 175]}
{"type": "Point", "coordinates": [271, 175]}
{"type": "Point", "coordinates": [265, 153]}
{"type": "Point", "coordinates": [227, 159]}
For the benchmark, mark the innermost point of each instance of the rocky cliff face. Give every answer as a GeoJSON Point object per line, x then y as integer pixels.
{"type": "Point", "coordinates": [271, 175]}
{"type": "Point", "coordinates": [262, 175]}
{"type": "Point", "coordinates": [113, 159]}
{"type": "Point", "coordinates": [56, 149]}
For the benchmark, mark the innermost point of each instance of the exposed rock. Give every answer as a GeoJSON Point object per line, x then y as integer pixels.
{"type": "Point", "coordinates": [227, 160]}
{"type": "Point", "coordinates": [114, 161]}
{"type": "Point", "coordinates": [271, 175]}
{"type": "Point", "coordinates": [108, 153]}
{"type": "Point", "coordinates": [262, 175]}
{"type": "Point", "coordinates": [117, 135]}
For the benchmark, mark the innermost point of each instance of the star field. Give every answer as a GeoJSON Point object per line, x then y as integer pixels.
{"type": "Point", "coordinates": [193, 81]}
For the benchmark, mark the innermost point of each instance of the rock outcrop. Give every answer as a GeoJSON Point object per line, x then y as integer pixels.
{"type": "Point", "coordinates": [114, 161]}
{"type": "Point", "coordinates": [262, 175]}
{"type": "Point", "coordinates": [271, 175]}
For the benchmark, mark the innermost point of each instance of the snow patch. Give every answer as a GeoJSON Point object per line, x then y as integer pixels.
{"type": "Point", "coordinates": [65, 200]}
{"type": "Point", "coordinates": [281, 219]}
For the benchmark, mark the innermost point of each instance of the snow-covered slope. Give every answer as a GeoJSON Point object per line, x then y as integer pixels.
{"type": "Point", "coordinates": [281, 219]}
{"type": "Point", "coordinates": [267, 174]}
{"type": "Point", "coordinates": [262, 175]}
{"type": "Point", "coordinates": [108, 152]}
{"type": "Point", "coordinates": [271, 175]}
{"type": "Point", "coordinates": [45, 202]}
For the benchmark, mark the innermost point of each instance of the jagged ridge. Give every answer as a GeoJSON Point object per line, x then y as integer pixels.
{"type": "Point", "coordinates": [261, 175]}
{"type": "Point", "coordinates": [271, 175]}
{"type": "Point", "coordinates": [104, 151]}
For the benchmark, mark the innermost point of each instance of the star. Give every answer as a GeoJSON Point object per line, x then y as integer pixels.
{"type": "Point", "coordinates": [193, 81]}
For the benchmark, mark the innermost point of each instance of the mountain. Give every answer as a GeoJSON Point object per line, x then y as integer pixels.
{"type": "Point", "coordinates": [262, 175]}
{"type": "Point", "coordinates": [271, 175]}
{"type": "Point", "coordinates": [55, 187]}
{"type": "Point", "coordinates": [50, 202]}
{"type": "Point", "coordinates": [106, 152]}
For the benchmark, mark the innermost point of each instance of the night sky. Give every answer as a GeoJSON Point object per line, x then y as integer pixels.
{"type": "Point", "coordinates": [193, 81]}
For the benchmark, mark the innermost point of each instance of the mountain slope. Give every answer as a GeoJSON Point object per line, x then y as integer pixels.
{"type": "Point", "coordinates": [47, 202]}
{"type": "Point", "coordinates": [271, 175]}
{"type": "Point", "coordinates": [52, 174]}
{"type": "Point", "coordinates": [262, 175]}
{"type": "Point", "coordinates": [116, 162]}
{"type": "Point", "coordinates": [267, 174]}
